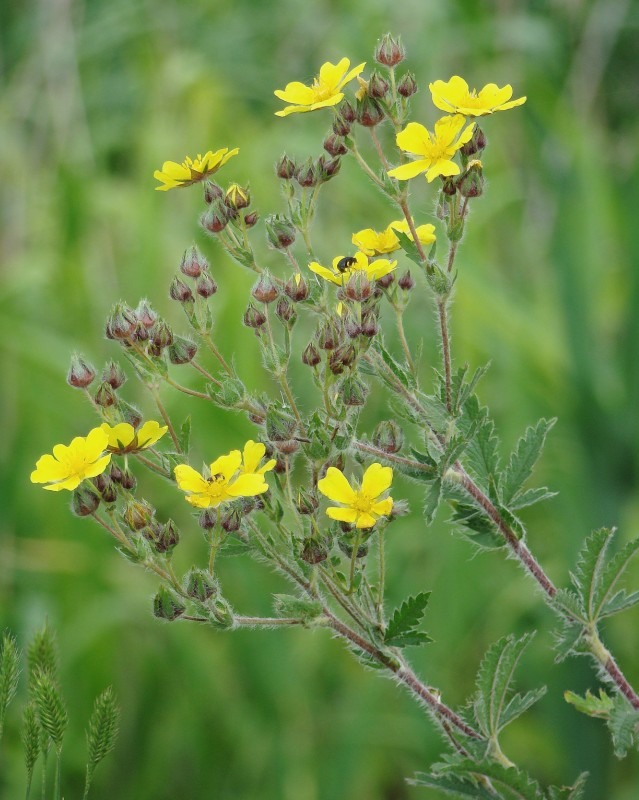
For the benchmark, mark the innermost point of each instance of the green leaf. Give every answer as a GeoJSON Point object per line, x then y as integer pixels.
{"type": "Point", "coordinates": [482, 453]}
{"type": "Point", "coordinates": [403, 375]}
{"type": "Point", "coordinates": [590, 566]}
{"type": "Point", "coordinates": [476, 526]}
{"type": "Point", "coordinates": [454, 785]}
{"type": "Point", "coordinates": [619, 601]}
{"type": "Point", "coordinates": [530, 497]}
{"type": "Point", "coordinates": [524, 458]}
{"type": "Point", "coordinates": [185, 435]}
{"type": "Point", "coordinates": [401, 629]}
{"type": "Point", "coordinates": [624, 726]}
{"type": "Point", "coordinates": [287, 605]}
{"type": "Point", "coordinates": [494, 682]}
{"type": "Point", "coordinates": [485, 779]}
{"type": "Point", "coordinates": [436, 412]}
{"type": "Point", "coordinates": [568, 604]}
{"type": "Point", "coordinates": [574, 792]}
{"type": "Point", "coordinates": [568, 641]}
{"type": "Point", "coordinates": [520, 703]}
{"type": "Point", "coordinates": [590, 704]}
{"type": "Point", "coordinates": [432, 500]}
{"type": "Point", "coordinates": [610, 577]}
{"type": "Point", "coordinates": [409, 247]}
{"type": "Point", "coordinates": [461, 389]}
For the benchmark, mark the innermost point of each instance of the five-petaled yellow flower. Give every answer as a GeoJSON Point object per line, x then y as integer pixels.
{"type": "Point", "coordinates": [192, 170]}
{"type": "Point", "coordinates": [228, 479]}
{"type": "Point", "coordinates": [361, 506]}
{"type": "Point", "coordinates": [434, 151]}
{"type": "Point", "coordinates": [455, 97]}
{"type": "Point", "coordinates": [374, 243]}
{"type": "Point", "coordinates": [326, 89]}
{"type": "Point", "coordinates": [71, 464]}
{"type": "Point", "coordinates": [345, 266]}
{"type": "Point", "coordinates": [123, 438]}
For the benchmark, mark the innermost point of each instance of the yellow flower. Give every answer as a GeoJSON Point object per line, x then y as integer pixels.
{"type": "Point", "coordinates": [373, 243]}
{"type": "Point", "coordinates": [174, 175]}
{"type": "Point", "coordinates": [345, 266]}
{"type": "Point", "coordinates": [123, 438]}
{"type": "Point", "coordinates": [455, 97]}
{"type": "Point", "coordinates": [227, 480]}
{"type": "Point", "coordinates": [253, 454]}
{"type": "Point", "coordinates": [360, 506]}
{"type": "Point", "coordinates": [326, 89]}
{"type": "Point", "coordinates": [435, 151]}
{"type": "Point", "coordinates": [71, 464]}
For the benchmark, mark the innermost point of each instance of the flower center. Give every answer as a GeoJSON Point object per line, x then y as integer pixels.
{"type": "Point", "coordinates": [362, 502]}
{"type": "Point", "coordinates": [323, 91]}
{"type": "Point", "coordinates": [216, 485]}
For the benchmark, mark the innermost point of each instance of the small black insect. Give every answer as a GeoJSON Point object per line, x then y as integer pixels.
{"type": "Point", "coordinates": [345, 263]}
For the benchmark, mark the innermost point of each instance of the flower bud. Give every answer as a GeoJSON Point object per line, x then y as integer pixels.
{"type": "Point", "coordinates": [200, 585]}
{"type": "Point", "coordinates": [353, 391]}
{"type": "Point", "coordinates": [104, 395]}
{"type": "Point", "coordinates": [306, 175]}
{"type": "Point", "coordinates": [167, 538]}
{"type": "Point", "coordinates": [352, 327]}
{"type": "Point", "coordinates": [407, 85]}
{"type": "Point", "coordinates": [128, 480]}
{"type": "Point", "coordinates": [389, 51]}
{"type": "Point", "coordinates": [340, 126]}
{"type": "Point", "coordinates": [237, 197]}
{"type": "Point", "coordinates": [388, 436]}
{"type": "Point", "coordinates": [162, 335]}
{"type": "Point", "coordinates": [476, 144]}
{"type": "Point", "coordinates": [193, 263]}
{"type": "Point", "coordinates": [328, 336]}
{"type": "Point", "coordinates": [182, 351]}
{"type": "Point", "coordinates": [265, 291]}
{"type": "Point", "coordinates": [113, 374]}
{"type": "Point", "coordinates": [167, 605]}
{"type": "Point", "coordinates": [81, 373]}
{"type": "Point", "coordinates": [253, 317]}
{"type": "Point", "coordinates": [285, 168]}
{"type": "Point", "coordinates": [130, 414]}
{"type": "Point", "coordinates": [377, 86]}
{"type": "Point", "coordinates": [251, 219]}
{"type": "Point", "coordinates": [314, 552]}
{"type": "Point", "coordinates": [334, 145]}
{"type": "Point", "coordinates": [358, 286]}
{"type": "Point", "coordinates": [180, 291]}
{"type": "Point", "coordinates": [84, 501]}
{"type": "Point", "coordinates": [449, 188]}
{"type": "Point", "coordinates": [231, 520]}
{"type": "Point", "coordinates": [140, 334]}
{"type": "Point", "coordinates": [348, 547]}
{"type": "Point", "coordinates": [212, 192]}
{"type": "Point", "coordinates": [327, 169]}
{"type": "Point", "coordinates": [310, 355]}
{"type": "Point", "coordinates": [101, 481]}
{"type": "Point", "coordinates": [471, 183]}
{"type": "Point", "coordinates": [307, 502]}
{"type": "Point", "coordinates": [138, 514]}
{"type": "Point", "coordinates": [346, 111]}
{"type": "Point", "coordinates": [406, 282]}
{"type": "Point", "coordinates": [115, 473]}
{"type": "Point", "coordinates": [121, 322]}
{"type": "Point", "coordinates": [145, 314]}
{"type": "Point", "coordinates": [280, 466]}
{"type": "Point", "coordinates": [347, 354]}
{"type": "Point", "coordinates": [288, 447]}
{"type": "Point", "coordinates": [369, 112]}
{"type": "Point", "coordinates": [369, 324]}
{"type": "Point", "coordinates": [110, 493]}
{"type": "Point", "coordinates": [296, 288]}
{"type": "Point", "coordinates": [205, 286]}
{"type": "Point", "coordinates": [385, 281]}
{"type": "Point", "coordinates": [280, 231]}
{"type": "Point", "coordinates": [280, 425]}
{"type": "Point", "coordinates": [216, 218]}
{"type": "Point", "coordinates": [208, 519]}
{"type": "Point", "coordinates": [285, 312]}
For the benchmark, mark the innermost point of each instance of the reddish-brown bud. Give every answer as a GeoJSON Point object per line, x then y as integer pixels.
{"type": "Point", "coordinates": [386, 280]}
{"type": "Point", "coordinates": [388, 436]}
{"type": "Point", "coordinates": [327, 169]}
{"type": "Point", "coordinates": [346, 111]}
{"type": "Point", "coordinates": [208, 519]}
{"type": "Point", "coordinates": [140, 334]}
{"type": "Point", "coordinates": [341, 127]}
{"type": "Point", "coordinates": [138, 514]}
{"type": "Point", "coordinates": [369, 112]}
{"type": "Point", "coordinates": [389, 51]}
{"type": "Point", "coordinates": [306, 175]}
{"type": "Point", "coordinates": [296, 288]}
{"type": "Point", "coordinates": [212, 192]}
{"type": "Point", "coordinates": [104, 395]}
{"type": "Point", "coordinates": [353, 391]}
{"type": "Point", "coordinates": [205, 286]}
{"type": "Point", "coordinates": [310, 355]}
{"type": "Point", "coordinates": [285, 311]}
{"type": "Point", "coordinates": [369, 324]}
{"type": "Point", "coordinates": [113, 374]}
{"type": "Point", "coordinates": [358, 286]}
{"type": "Point", "coordinates": [377, 86]}
{"type": "Point", "coordinates": [406, 282]}
{"type": "Point", "coordinates": [84, 501]}
{"type": "Point", "coordinates": [280, 231]}
{"type": "Point", "coordinates": [251, 219]}
{"type": "Point", "coordinates": [253, 317]}
{"type": "Point", "coordinates": [265, 291]}
{"type": "Point", "coordinates": [182, 350]}
{"type": "Point", "coordinates": [327, 337]}
{"type": "Point", "coordinates": [121, 322]}
{"type": "Point", "coordinates": [476, 144]}
{"type": "Point", "coordinates": [180, 291]}
{"type": "Point", "coordinates": [407, 85]}
{"type": "Point", "coordinates": [285, 168]}
{"type": "Point", "coordinates": [81, 373]}
{"type": "Point", "coordinates": [216, 218]}
{"type": "Point", "coordinates": [193, 263]}
{"type": "Point", "coordinates": [307, 502]}
{"type": "Point", "coordinates": [334, 145]}
{"type": "Point", "coordinates": [237, 197]}
{"type": "Point", "coordinates": [145, 314]}
{"type": "Point", "coordinates": [162, 335]}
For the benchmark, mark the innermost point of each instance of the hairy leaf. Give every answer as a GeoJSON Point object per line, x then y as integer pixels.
{"type": "Point", "coordinates": [590, 704]}
{"type": "Point", "coordinates": [409, 247]}
{"type": "Point", "coordinates": [401, 630]}
{"type": "Point", "coordinates": [494, 683]}
{"type": "Point", "coordinates": [590, 567]}
{"type": "Point", "coordinates": [531, 496]}
{"type": "Point", "coordinates": [476, 526]}
{"type": "Point", "coordinates": [432, 500]}
{"type": "Point", "coordinates": [482, 453]}
{"type": "Point", "coordinates": [185, 435]}
{"type": "Point", "coordinates": [610, 577]}
{"type": "Point", "coordinates": [524, 458]}
{"type": "Point", "coordinates": [487, 779]}
{"type": "Point", "coordinates": [568, 604]}
{"type": "Point", "coordinates": [568, 640]}
{"type": "Point", "coordinates": [287, 605]}
{"type": "Point", "coordinates": [519, 703]}
{"type": "Point", "coordinates": [618, 602]}
{"type": "Point", "coordinates": [624, 726]}
{"type": "Point", "coordinates": [574, 792]}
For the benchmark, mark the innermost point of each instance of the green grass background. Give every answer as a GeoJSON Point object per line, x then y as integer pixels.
{"type": "Point", "coordinates": [94, 96]}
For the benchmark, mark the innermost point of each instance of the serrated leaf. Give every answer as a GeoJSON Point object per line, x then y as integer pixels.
{"type": "Point", "coordinates": [520, 703]}
{"type": "Point", "coordinates": [436, 412]}
{"type": "Point", "coordinates": [531, 496]}
{"type": "Point", "coordinates": [624, 726]}
{"type": "Point", "coordinates": [567, 640]}
{"type": "Point", "coordinates": [405, 620]}
{"type": "Point", "coordinates": [482, 453]}
{"type": "Point", "coordinates": [432, 499]}
{"type": "Point", "coordinates": [610, 576]}
{"type": "Point", "coordinates": [287, 605]}
{"type": "Point", "coordinates": [185, 436]}
{"type": "Point", "coordinates": [590, 704]}
{"type": "Point", "coordinates": [590, 566]}
{"type": "Point", "coordinates": [574, 792]}
{"type": "Point", "coordinates": [453, 785]}
{"type": "Point", "coordinates": [524, 458]}
{"type": "Point", "coordinates": [568, 604]}
{"type": "Point", "coordinates": [494, 681]}
{"type": "Point", "coordinates": [461, 389]}
{"type": "Point", "coordinates": [476, 526]}
{"type": "Point", "coordinates": [489, 777]}
{"type": "Point", "coordinates": [403, 375]}
{"type": "Point", "coordinates": [619, 601]}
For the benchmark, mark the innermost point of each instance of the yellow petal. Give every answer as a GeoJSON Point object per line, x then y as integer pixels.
{"type": "Point", "coordinates": [414, 139]}
{"type": "Point", "coordinates": [365, 520]}
{"type": "Point", "coordinates": [410, 170]}
{"type": "Point", "coordinates": [119, 435]}
{"type": "Point", "coordinates": [447, 128]}
{"type": "Point", "coordinates": [442, 167]}
{"type": "Point", "coordinates": [512, 104]}
{"type": "Point", "coordinates": [96, 443]}
{"type": "Point", "coordinates": [149, 433]}
{"type": "Point", "coordinates": [366, 241]}
{"type": "Point", "coordinates": [297, 93]}
{"type": "Point", "coordinates": [336, 487]}
{"type": "Point", "coordinates": [189, 480]}
{"type": "Point", "coordinates": [325, 273]}
{"type": "Point", "coordinates": [383, 508]}
{"type": "Point", "coordinates": [379, 268]}
{"type": "Point", "coordinates": [333, 100]}
{"type": "Point", "coordinates": [377, 479]}
{"type": "Point", "coordinates": [352, 74]}
{"type": "Point", "coordinates": [342, 514]}
{"type": "Point", "coordinates": [331, 74]}
{"type": "Point", "coordinates": [202, 500]}
{"type": "Point", "coordinates": [252, 455]}
{"type": "Point", "coordinates": [97, 468]}
{"type": "Point", "coordinates": [48, 469]}
{"type": "Point", "coordinates": [247, 486]}
{"type": "Point", "coordinates": [227, 465]}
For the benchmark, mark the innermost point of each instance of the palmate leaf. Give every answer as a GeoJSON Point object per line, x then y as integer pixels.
{"type": "Point", "coordinates": [401, 630]}
{"type": "Point", "coordinates": [484, 780]}
{"type": "Point", "coordinates": [492, 709]}
{"type": "Point", "coordinates": [524, 458]}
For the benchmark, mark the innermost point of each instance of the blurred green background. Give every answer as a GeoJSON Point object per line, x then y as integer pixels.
{"type": "Point", "coordinates": [95, 95]}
